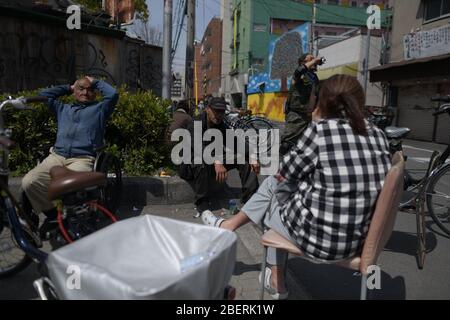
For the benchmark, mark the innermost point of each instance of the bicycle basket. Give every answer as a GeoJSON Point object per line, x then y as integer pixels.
{"type": "Point", "coordinates": [139, 258]}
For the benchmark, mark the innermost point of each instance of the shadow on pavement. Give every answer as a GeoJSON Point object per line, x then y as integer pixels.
{"type": "Point", "coordinates": [324, 282]}
{"type": "Point", "coordinates": [241, 268]}
{"type": "Point", "coordinates": [404, 242]}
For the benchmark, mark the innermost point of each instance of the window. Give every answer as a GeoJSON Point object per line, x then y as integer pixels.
{"type": "Point", "coordinates": [436, 8]}
{"type": "Point", "coordinates": [354, 4]}
{"type": "Point", "coordinates": [333, 1]}
{"type": "Point", "coordinates": [259, 27]}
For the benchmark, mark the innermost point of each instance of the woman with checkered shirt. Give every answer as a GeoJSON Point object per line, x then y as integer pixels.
{"type": "Point", "coordinates": [324, 195]}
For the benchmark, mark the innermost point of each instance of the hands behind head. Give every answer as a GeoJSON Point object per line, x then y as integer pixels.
{"type": "Point", "coordinates": [91, 79]}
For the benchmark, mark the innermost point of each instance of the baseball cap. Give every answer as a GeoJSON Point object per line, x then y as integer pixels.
{"type": "Point", "coordinates": [218, 103]}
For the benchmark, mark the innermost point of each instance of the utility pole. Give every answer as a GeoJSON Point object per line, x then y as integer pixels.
{"type": "Point", "coordinates": [367, 58]}
{"type": "Point", "coordinates": [313, 27]}
{"type": "Point", "coordinates": [189, 74]}
{"type": "Point", "coordinates": [167, 50]}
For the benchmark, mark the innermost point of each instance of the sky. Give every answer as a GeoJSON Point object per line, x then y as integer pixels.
{"type": "Point", "coordinates": [205, 11]}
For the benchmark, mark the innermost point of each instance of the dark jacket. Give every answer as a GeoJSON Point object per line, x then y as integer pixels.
{"type": "Point", "coordinates": [186, 170]}
{"type": "Point", "coordinates": [180, 120]}
{"type": "Point", "coordinates": [305, 81]}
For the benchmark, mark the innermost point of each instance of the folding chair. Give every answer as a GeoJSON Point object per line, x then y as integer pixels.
{"type": "Point", "coordinates": [379, 232]}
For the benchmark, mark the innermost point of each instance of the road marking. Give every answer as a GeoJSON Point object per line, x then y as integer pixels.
{"type": "Point", "coordinates": [420, 149]}
{"type": "Point", "coordinates": [419, 159]}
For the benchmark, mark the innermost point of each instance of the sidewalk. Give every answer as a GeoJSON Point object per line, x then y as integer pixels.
{"type": "Point", "coordinates": [249, 253]}
{"type": "Point", "coordinates": [400, 277]}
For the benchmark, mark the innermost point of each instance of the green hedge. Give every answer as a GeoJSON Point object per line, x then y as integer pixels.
{"type": "Point", "coordinates": [135, 133]}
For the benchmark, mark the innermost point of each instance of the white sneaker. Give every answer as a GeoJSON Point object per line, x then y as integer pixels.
{"type": "Point", "coordinates": [210, 219]}
{"type": "Point", "coordinates": [268, 286]}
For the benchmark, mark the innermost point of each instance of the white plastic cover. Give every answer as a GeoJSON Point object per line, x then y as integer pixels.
{"type": "Point", "coordinates": [139, 258]}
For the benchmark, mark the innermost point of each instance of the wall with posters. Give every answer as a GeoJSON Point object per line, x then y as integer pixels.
{"type": "Point", "coordinates": [427, 43]}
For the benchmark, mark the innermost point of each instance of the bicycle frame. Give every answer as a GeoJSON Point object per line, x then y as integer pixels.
{"type": "Point", "coordinates": [18, 221]}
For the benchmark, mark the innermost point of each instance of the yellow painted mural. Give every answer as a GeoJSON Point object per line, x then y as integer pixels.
{"type": "Point", "coordinates": [270, 105]}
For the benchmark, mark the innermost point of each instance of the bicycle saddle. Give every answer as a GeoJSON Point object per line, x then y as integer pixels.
{"type": "Point", "coordinates": [396, 132]}
{"type": "Point", "coordinates": [445, 99]}
{"type": "Point", "coordinates": [65, 181]}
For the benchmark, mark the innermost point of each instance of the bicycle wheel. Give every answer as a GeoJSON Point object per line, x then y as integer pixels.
{"type": "Point", "coordinates": [12, 258]}
{"type": "Point", "coordinates": [438, 198]}
{"type": "Point", "coordinates": [110, 165]}
{"type": "Point", "coordinates": [258, 124]}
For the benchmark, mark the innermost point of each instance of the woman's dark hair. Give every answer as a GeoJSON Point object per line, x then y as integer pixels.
{"type": "Point", "coordinates": [342, 96]}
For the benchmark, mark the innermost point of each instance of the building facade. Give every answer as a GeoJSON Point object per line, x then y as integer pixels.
{"type": "Point", "coordinates": [208, 60]}
{"type": "Point", "coordinates": [254, 24]}
{"type": "Point", "coordinates": [177, 90]}
{"type": "Point", "coordinates": [419, 66]}
{"type": "Point", "coordinates": [347, 57]}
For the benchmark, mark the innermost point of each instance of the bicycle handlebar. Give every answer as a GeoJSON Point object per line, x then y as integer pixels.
{"type": "Point", "coordinates": [35, 99]}
{"type": "Point", "coordinates": [445, 99]}
{"type": "Point", "coordinates": [21, 103]}
{"type": "Point", "coordinates": [443, 109]}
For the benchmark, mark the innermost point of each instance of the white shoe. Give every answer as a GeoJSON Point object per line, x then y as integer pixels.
{"type": "Point", "coordinates": [268, 286]}
{"type": "Point", "coordinates": [210, 219]}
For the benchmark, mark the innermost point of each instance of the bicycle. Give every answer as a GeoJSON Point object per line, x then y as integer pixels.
{"type": "Point", "coordinates": [433, 186]}
{"type": "Point", "coordinates": [76, 195]}
{"type": "Point", "coordinates": [432, 190]}
{"type": "Point", "coordinates": [246, 121]}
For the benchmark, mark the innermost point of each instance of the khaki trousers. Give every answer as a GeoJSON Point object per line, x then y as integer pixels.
{"type": "Point", "coordinates": [35, 183]}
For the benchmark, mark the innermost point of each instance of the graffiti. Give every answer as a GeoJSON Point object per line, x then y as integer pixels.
{"type": "Point", "coordinates": [152, 74]}
{"type": "Point", "coordinates": [2, 68]}
{"type": "Point", "coordinates": [132, 69]}
{"type": "Point", "coordinates": [283, 60]}
{"type": "Point", "coordinates": [32, 60]}
{"type": "Point", "coordinates": [97, 64]}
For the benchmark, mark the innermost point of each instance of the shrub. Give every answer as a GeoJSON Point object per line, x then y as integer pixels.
{"type": "Point", "coordinates": [135, 133]}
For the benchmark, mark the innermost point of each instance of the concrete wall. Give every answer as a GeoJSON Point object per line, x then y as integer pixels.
{"type": "Point", "coordinates": [36, 55]}
{"type": "Point", "coordinates": [408, 16]}
{"type": "Point", "coordinates": [351, 51]}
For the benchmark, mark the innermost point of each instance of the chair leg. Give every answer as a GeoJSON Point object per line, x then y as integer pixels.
{"type": "Point", "coordinates": [363, 295]}
{"type": "Point", "coordinates": [263, 273]}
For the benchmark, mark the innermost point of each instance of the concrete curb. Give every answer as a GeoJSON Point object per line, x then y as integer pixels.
{"type": "Point", "coordinates": [142, 191]}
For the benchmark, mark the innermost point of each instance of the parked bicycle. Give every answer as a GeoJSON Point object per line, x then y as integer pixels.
{"type": "Point", "coordinates": [246, 120]}
{"type": "Point", "coordinates": [77, 196]}
{"type": "Point", "coordinates": [435, 185]}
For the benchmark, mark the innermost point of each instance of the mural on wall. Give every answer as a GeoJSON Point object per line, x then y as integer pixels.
{"type": "Point", "coordinates": [283, 59]}
{"type": "Point", "coordinates": [267, 91]}
{"type": "Point", "coordinates": [270, 105]}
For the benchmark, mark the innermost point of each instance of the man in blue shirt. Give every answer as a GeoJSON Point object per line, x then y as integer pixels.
{"type": "Point", "coordinates": [81, 127]}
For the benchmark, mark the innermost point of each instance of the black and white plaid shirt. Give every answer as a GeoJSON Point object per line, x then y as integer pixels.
{"type": "Point", "coordinates": [337, 176]}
